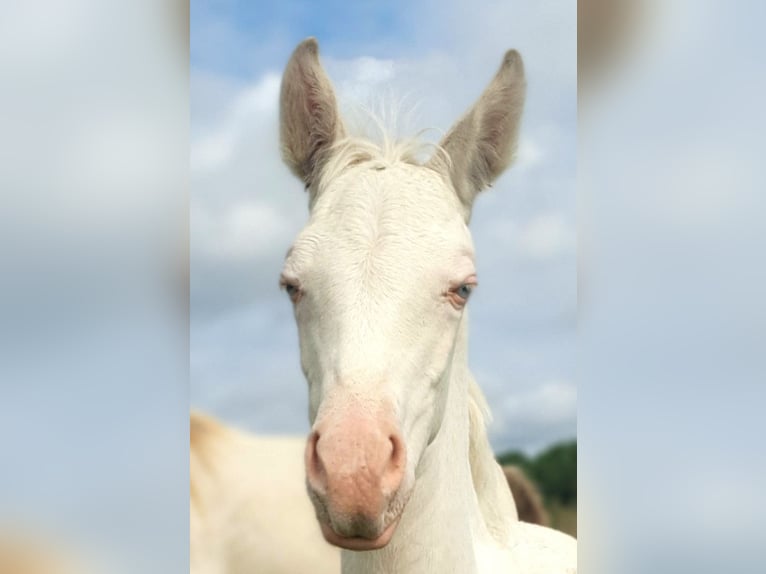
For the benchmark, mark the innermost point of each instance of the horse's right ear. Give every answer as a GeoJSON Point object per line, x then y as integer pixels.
{"type": "Point", "coordinates": [309, 120]}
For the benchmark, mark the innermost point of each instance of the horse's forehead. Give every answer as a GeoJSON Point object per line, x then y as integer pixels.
{"type": "Point", "coordinates": [382, 219]}
{"type": "Point", "coordinates": [398, 195]}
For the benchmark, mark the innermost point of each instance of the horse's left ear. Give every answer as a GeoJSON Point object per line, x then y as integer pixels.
{"type": "Point", "coordinates": [483, 143]}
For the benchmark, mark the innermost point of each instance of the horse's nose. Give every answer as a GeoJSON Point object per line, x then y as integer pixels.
{"type": "Point", "coordinates": [355, 465]}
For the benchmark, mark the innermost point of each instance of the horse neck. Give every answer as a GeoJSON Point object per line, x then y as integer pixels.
{"type": "Point", "coordinates": [444, 518]}
{"type": "Point", "coordinates": [493, 495]}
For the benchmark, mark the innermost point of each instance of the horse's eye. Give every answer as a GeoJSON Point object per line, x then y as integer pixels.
{"type": "Point", "coordinates": [292, 290]}
{"type": "Point", "coordinates": [464, 291]}
{"type": "Point", "coordinates": [458, 295]}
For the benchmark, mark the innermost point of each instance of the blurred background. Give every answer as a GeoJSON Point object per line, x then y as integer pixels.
{"type": "Point", "coordinates": [93, 231]}
{"type": "Point", "coordinates": [672, 321]}
{"type": "Point", "coordinates": [429, 61]}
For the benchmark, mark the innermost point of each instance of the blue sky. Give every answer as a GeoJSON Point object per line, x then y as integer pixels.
{"type": "Point", "coordinates": [244, 38]}
{"type": "Point", "coordinates": [246, 207]}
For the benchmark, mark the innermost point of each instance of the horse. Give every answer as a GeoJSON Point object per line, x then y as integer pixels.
{"type": "Point", "coordinates": [398, 465]}
{"type": "Point", "coordinates": [249, 510]}
{"type": "Point", "coordinates": [526, 496]}
{"type": "Point", "coordinates": [29, 554]}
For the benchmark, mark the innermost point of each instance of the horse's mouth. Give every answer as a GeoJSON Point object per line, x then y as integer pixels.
{"type": "Point", "coordinates": [359, 543]}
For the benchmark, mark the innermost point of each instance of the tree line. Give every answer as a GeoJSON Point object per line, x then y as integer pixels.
{"type": "Point", "coordinates": [554, 470]}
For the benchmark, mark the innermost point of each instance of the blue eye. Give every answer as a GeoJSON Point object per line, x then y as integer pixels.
{"type": "Point", "coordinates": [464, 291]}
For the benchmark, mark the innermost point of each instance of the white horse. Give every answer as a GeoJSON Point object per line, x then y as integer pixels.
{"type": "Point", "coordinates": [398, 464]}
{"type": "Point", "coordinates": [25, 553]}
{"type": "Point", "coordinates": [249, 513]}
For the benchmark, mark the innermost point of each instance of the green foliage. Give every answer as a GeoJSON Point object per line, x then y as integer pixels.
{"type": "Point", "coordinates": [554, 471]}
{"type": "Point", "coordinates": [517, 458]}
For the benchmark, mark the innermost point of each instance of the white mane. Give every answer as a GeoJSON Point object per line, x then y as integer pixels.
{"type": "Point", "coordinates": [373, 138]}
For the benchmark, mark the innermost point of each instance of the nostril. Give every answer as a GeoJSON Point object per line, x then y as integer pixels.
{"type": "Point", "coordinates": [397, 460]}
{"type": "Point", "coordinates": [314, 466]}
{"type": "Point", "coordinates": [313, 440]}
{"type": "Point", "coordinates": [395, 466]}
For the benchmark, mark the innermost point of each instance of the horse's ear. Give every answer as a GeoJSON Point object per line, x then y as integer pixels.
{"type": "Point", "coordinates": [482, 144]}
{"type": "Point", "coordinates": [309, 118]}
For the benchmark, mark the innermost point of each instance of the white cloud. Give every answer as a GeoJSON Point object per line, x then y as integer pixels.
{"type": "Point", "coordinates": [363, 75]}
{"type": "Point", "coordinates": [542, 238]}
{"type": "Point", "coordinates": [533, 418]}
{"type": "Point", "coordinates": [546, 237]}
{"type": "Point", "coordinates": [244, 231]}
{"type": "Point", "coordinates": [529, 154]}
{"type": "Point", "coordinates": [213, 150]}
{"type": "Point", "coordinates": [551, 403]}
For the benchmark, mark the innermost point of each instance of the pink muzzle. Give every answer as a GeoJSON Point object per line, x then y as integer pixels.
{"type": "Point", "coordinates": [354, 466]}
